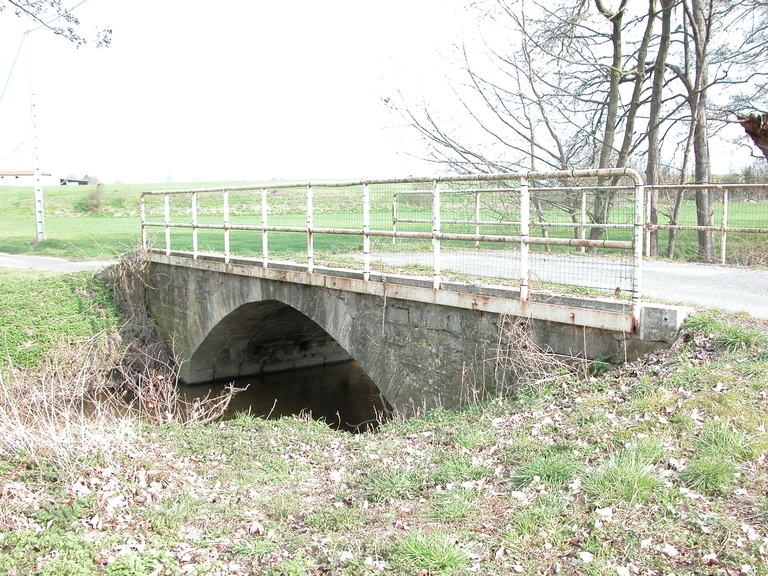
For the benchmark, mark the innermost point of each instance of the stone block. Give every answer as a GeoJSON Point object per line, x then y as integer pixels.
{"type": "Point", "coordinates": [397, 315]}
{"type": "Point", "coordinates": [661, 323]}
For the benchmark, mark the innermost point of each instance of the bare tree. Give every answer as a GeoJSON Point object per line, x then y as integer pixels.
{"type": "Point", "coordinates": [586, 84]}
{"type": "Point", "coordinates": [653, 164]}
{"type": "Point", "coordinates": [47, 12]}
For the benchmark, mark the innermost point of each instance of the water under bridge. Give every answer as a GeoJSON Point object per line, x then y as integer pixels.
{"type": "Point", "coordinates": [412, 278]}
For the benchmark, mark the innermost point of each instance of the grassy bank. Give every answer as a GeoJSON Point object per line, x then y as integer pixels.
{"type": "Point", "coordinates": [657, 467]}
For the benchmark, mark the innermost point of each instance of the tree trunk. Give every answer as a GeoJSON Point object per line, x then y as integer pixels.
{"type": "Point", "coordinates": [604, 200]}
{"type": "Point", "coordinates": [756, 127]}
{"type": "Point", "coordinates": [654, 121]}
{"type": "Point", "coordinates": [704, 216]}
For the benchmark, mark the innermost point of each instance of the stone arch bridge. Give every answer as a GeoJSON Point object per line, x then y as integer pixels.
{"type": "Point", "coordinates": [229, 317]}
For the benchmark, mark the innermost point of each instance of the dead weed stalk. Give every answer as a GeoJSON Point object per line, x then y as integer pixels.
{"type": "Point", "coordinates": [516, 361]}
{"type": "Point", "coordinates": [86, 397]}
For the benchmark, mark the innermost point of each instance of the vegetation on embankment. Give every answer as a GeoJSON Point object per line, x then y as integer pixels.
{"type": "Point", "coordinates": [656, 467]}
{"type": "Point", "coordinates": [40, 309]}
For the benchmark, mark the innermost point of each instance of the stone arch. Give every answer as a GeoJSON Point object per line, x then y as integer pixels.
{"type": "Point", "coordinates": [262, 337]}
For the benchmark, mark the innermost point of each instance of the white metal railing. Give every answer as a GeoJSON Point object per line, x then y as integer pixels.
{"type": "Point", "coordinates": [581, 226]}
{"type": "Point", "coordinates": [522, 241]}
{"type": "Point", "coordinates": [724, 228]}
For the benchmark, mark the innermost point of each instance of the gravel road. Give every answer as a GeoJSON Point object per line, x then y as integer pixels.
{"type": "Point", "coordinates": [728, 288]}
{"type": "Point", "coordinates": [50, 263]}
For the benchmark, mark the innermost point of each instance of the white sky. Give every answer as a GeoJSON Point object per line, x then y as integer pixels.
{"type": "Point", "coordinates": [193, 90]}
{"type": "Point", "coordinates": [228, 90]}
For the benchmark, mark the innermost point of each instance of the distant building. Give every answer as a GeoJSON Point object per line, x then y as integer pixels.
{"type": "Point", "coordinates": [72, 182]}
{"type": "Point", "coordinates": [26, 178]}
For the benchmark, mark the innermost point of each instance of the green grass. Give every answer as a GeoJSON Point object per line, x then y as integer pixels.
{"type": "Point", "coordinates": [626, 477]}
{"type": "Point", "coordinates": [39, 309]}
{"type": "Point", "coordinates": [431, 553]}
{"type": "Point", "coordinates": [551, 467]}
{"type": "Point", "coordinates": [294, 497]}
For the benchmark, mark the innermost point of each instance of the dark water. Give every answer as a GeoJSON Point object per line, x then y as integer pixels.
{"type": "Point", "coordinates": [341, 394]}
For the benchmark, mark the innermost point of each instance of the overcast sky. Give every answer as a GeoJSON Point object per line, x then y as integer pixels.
{"type": "Point", "coordinates": [193, 90]}
{"type": "Point", "coordinates": [201, 91]}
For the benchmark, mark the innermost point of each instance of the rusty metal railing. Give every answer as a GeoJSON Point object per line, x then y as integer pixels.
{"type": "Point", "coordinates": [723, 197]}
{"type": "Point", "coordinates": [546, 187]}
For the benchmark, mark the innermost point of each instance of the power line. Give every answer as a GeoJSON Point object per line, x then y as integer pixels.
{"type": "Point", "coordinates": [12, 67]}
{"type": "Point", "coordinates": [18, 51]}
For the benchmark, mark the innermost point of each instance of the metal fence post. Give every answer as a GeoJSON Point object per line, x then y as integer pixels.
{"type": "Point", "coordinates": [724, 225]}
{"type": "Point", "coordinates": [366, 232]}
{"type": "Point", "coordinates": [394, 217]}
{"type": "Point", "coordinates": [143, 212]}
{"type": "Point", "coordinates": [525, 216]}
{"type": "Point", "coordinates": [648, 200]}
{"type": "Point", "coordinates": [310, 235]}
{"type": "Point", "coordinates": [435, 235]}
{"type": "Point", "coordinates": [167, 211]}
{"type": "Point", "coordinates": [637, 264]}
{"type": "Point", "coordinates": [225, 200]}
{"type": "Point", "coordinates": [194, 225]}
{"type": "Point", "coordinates": [583, 229]}
{"type": "Point", "coordinates": [477, 217]}
{"type": "Point", "coordinates": [264, 239]}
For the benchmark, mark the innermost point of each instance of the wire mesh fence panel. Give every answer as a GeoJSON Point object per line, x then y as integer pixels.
{"type": "Point", "coordinates": [245, 243]}
{"type": "Point", "coordinates": [747, 249]}
{"type": "Point", "coordinates": [677, 207]}
{"type": "Point", "coordinates": [575, 230]}
{"type": "Point", "coordinates": [337, 208]}
{"type": "Point", "coordinates": [287, 209]}
{"type": "Point", "coordinates": [481, 208]}
{"type": "Point", "coordinates": [401, 208]}
{"type": "Point", "coordinates": [738, 214]}
{"type": "Point", "coordinates": [572, 210]}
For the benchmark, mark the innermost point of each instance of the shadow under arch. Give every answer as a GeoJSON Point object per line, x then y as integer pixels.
{"type": "Point", "coordinates": [260, 342]}
{"type": "Point", "coordinates": [265, 337]}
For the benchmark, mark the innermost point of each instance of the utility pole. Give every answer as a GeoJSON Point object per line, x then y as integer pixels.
{"type": "Point", "coordinates": [39, 219]}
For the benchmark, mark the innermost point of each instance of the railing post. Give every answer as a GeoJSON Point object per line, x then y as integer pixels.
{"type": "Point", "coordinates": [637, 298]}
{"type": "Point", "coordinates": [394, 217]}
{"type": "Point", "coordinates": [310, 235]}
{"type": "Point", "coordinates": [143, 212]}
{"type": "Point", "coordinates": [648, 200]}
{"type": "Point", "coordinates": [436, 235]}
{"type": "Point", "coordinates": [366, 232]}
{"type": "Point", "coordinates": [583, 228]}
{"type": "Point", "coordinates": [167, 215]}
{"type": "Point", "coordinates": [194, 225]}
{"type": "Point", "coordinates": [477, 217]}
{"type": "Point", "coordinates": [264, 239]}
{"type": "Point", "coordinates": [225, 199]}
{"type": "Point", "coordinates": [724, 225]}
{"type": "Point", "coordinates": [525, 216]}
